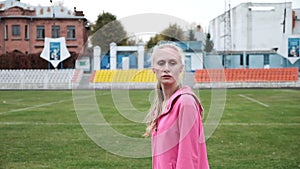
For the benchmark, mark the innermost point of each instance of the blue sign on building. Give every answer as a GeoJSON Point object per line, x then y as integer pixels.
{"type": "Point", "coordinates": [293, 47]}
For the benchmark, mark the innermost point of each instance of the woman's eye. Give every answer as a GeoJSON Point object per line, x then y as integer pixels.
{"type": "Point", "coordinates": [173, 63]}
{"type": "Point", "coordinates": [161, 63]}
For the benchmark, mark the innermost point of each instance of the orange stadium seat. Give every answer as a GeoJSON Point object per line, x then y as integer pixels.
{"type": "Point", "coordinates": [246, 75]}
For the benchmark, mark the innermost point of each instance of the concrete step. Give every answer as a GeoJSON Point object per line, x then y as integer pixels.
{"type": "Point", "coordinates": [188, 79]}
{"type": "Point", "coordinates": [85, 81]}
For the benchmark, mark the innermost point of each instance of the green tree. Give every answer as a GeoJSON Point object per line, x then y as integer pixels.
{"type": "Point", "coordinates": [102, 20]}
{"type": "Point", "coordinates": [107, 30]}
{"type": "Point", "coordinates": [153, 40]}
{"type": "Point", "coordinates": [172, 33]}
{"type": "Point", "coordinates": [191, 35]}
{"type": "Point", "coordinates": [209, 44]}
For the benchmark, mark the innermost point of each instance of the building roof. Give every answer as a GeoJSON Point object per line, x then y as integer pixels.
{"type": "Point", "coordinates": [254, 52]}
{"type": "Point", "coordinates": [42, 11]}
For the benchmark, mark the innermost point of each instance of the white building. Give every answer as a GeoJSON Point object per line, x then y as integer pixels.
{"type": "Point", "coordinates": [256, 35]}
{"type": "Point", "coordinates": [254, 26]}
{"type": "Point", "coordinates": [296, 29]}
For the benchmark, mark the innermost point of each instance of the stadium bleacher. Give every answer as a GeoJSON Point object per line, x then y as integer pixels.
{"type": "Point", "coordinates": [131, 75]}
{"type": "Point", "coordinates": [258, 77]}
{"type": "Point", "coordinates": [246, 75]}
{"type": "Point", "coordinates": [39, 78]}
{"type": "Point", "coordinates": [145, 78]}
{"type": "Point", "coordinates": [122, 79]}
{"type": "Point", "coordinates": [204, 78]}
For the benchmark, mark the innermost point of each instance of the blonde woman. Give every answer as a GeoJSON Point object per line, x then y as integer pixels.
{"type": "Point", "coordinates": [175, 122]}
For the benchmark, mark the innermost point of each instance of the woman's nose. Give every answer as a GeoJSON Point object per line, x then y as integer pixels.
{"type": "Point", "coordinates": [166, 68]}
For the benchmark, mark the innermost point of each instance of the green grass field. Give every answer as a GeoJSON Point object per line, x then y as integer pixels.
{"type": "Point", "coordinates": [40, 129]}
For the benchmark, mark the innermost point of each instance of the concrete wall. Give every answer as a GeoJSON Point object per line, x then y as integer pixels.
{"type": "Point", "coordinates": [254, 61]}
{"type": "Point", "coordinates": [254, 26]}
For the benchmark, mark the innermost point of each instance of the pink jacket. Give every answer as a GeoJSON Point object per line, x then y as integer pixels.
{"type": "Point", "coordinates": [178, 142]}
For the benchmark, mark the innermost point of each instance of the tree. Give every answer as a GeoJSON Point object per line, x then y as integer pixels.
{"type": "Point", "coordinates": [107, 30]}
{"type": "Point", "coordinates": [154, 40]}
{"type": "Point", "coordinates": [209, 44]}
{"type": "Point", "coordinates": [172, 33]}
{"type": "Point", "coordinates": [191, 35]}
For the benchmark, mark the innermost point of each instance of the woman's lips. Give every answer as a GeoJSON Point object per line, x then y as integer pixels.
{"type": "Point", "coordinates": [166, 76]}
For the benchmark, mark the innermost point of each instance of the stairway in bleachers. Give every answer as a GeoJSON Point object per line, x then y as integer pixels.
{"type": "Point", "coordinates": [189, 79]}
{"type": "Point", "coordinates": [84, 82]}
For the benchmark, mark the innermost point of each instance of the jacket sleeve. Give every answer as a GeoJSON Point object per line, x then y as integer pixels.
{"type": "Point", "coordinates": [191, 133]}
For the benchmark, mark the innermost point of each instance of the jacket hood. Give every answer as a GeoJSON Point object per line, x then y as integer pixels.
{"type": "Point", "coordinates": [181, 91]}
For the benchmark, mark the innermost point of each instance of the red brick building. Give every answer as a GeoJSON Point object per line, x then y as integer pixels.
{"type": "Point", "coordinates": [24, 27]}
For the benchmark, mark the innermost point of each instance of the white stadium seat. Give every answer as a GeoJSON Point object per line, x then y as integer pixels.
{"type": "Point", "coordinates": [38, 78]}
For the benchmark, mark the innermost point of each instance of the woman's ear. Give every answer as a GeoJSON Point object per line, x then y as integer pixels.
{"type": "Point", "coordinates": [153, 70]}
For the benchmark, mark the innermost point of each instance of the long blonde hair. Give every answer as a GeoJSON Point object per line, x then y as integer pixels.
{"type": "Point", "coordinates": [156, 107]}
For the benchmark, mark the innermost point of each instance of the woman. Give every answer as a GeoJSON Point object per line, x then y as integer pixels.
{"type": "Point", "coordinates": [175, 122]}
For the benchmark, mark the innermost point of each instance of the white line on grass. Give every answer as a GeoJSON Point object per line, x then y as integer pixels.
{"type": "Point", "coordinates": [67, 124]}
{"type": "Point", "coordinates": [136, 124]}
{"type": "Point", "coordinates": [43, 105]}
{"type": "Point", "coordinates": [257, 124]}
{"type": "Point", "coordinates": [31, 107]}
{"type": "Point", "coordinates": [254, 100]}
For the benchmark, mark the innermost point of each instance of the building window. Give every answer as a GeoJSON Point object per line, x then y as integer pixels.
{"type": "Point", "coordinates": [40, 32]}
{"type": "Point", "coordinates": [266, 59]}
{"type": "Point", "coordinates": [16, 30]}
{"type": "Point", "coordinates": [55, 31]}
{"type": "Point", "coordinates": [6, 32]}
{"type": "Point", "coordinates": [71, 32]}
{"type": "Point", "coordinates": [26, 32]}
{"type": "Point", "coordinates": [244, 61]}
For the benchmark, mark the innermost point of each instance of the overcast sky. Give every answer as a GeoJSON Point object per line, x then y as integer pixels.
{"type": "Point", "coordinates": [189, 11]}
{"type": "Point", "coordinates": [192, 11]}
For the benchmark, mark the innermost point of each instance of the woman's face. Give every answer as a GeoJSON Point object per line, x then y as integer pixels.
{"type": "Point", "coordinates": [167, 65]}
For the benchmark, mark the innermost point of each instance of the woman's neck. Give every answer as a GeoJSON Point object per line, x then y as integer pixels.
{"type": "Point", "coordinates": [168, 91]}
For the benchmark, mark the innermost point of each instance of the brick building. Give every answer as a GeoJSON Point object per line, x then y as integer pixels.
{"type": "Point", "coordinates": [23, 27]}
